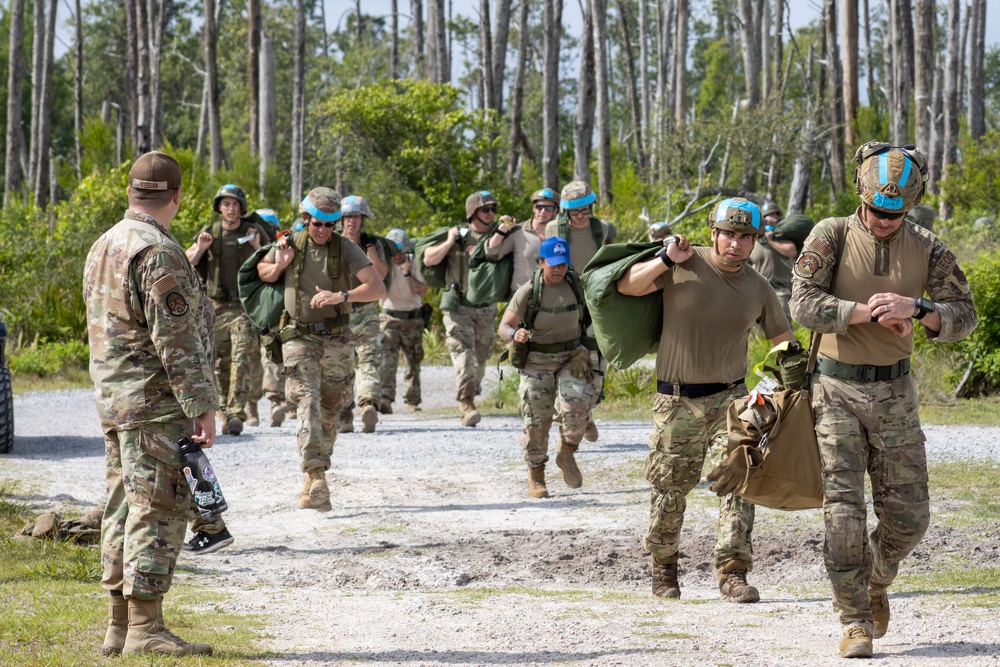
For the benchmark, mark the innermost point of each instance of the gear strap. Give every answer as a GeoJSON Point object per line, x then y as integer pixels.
{"type": "Point", "coordinates": [300, 242]}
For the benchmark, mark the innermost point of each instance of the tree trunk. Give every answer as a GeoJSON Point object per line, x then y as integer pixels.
{"type": "Point", "coordinates": [680, 63]}
{"type": "Point", "coordinates": [254, 28]}
{"type": "Point", "coordinates": [977, 55]}
{"type": "Point", "coordinates": [923, 71]}
{"type": "Point", "coordinates": [552, 27]}
{"type": "Point", "coordinates": [394, 45]}
{"type": "Point", "coordinates": [41, 184]}
{"type": "Point", "coordinates": [212, 83]}
{"type": "Point", "coordinates": [517, 95]}
{"type": "Point", "coordinates": [644, 89]}
{"type": "Point", "coordinates": [199, 147]}
{"type": "Point", "coordinates": [633, 96]}
{"type": "Point", "coordinates": [485, 77]}
{"type": "Point", "coordinates": [583, 128]}
{"type": "Point", "coordinates": [798, 191]}
{"type": "Point", "coordinates": [935, 152]}
{"type": "Point", "coordinates": [501, 35]}
{"type": "Point", "coordinates": [417, 16]}
{"type": "Point", "coordinates": [37, 86]}
{"type": "Point", "coordinates": [132, 68]}
{"type": "Point", "coordinates": [268, 108]}
{"type": "Point", "coordinates": [835, 97]}
{"type": "Point", "coordinates": [142, 142]}
{"type": "Point", "coordinates": [869, 56]}
{"type": "Point", "coordinates": [442, 67]}
{"type": "Point", "coordinates": [78, 89]}
{"type": "Point", "coordinates": [899, 111]}
{"type": "Point", "coordinates": [952, 96]}
{"type": "Point", "coordinates": [156, 12]}
{"type": "Point", "coordinates": [15, 83]}
{"type": "Point", "coordinates": [751, 52]}
{"type": "Point", "coordinates": [298, 89]}
{"type": "Point", "coordinates": [849, 29]}
{"type": "Point", "coordinates": [664, 69]}
{"type": "Point", "coordinates": [600, 11]}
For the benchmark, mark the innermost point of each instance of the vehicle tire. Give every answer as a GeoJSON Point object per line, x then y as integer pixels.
{"type": "Point", "coordinates": [6, 412]}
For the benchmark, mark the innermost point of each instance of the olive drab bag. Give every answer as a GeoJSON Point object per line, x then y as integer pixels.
{"type": "Point", "coordinates": [627, 327]}
{"type": "Point", "coordinates": [435, 276]}
{"type": "Point", "coordinates": [489, 280]}
{"type": "Point", "coordinates": [263, 302]}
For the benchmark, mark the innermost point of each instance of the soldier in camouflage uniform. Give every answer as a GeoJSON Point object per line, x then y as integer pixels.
{"type": "Point", "coordinates": [317, 268]}
{"type": "Point", "coordinates": [218, 252]}
{"type": "Point", "coordinates": [469, 327]}
{"type": "Point", "coordinates": [365, 381]}
{"type": "Point", "coordinates": [149, 327]}
{"type": "Point", "coordinates": [701, 364]}
{"type": "Point", "coordinates": [402, 325]}
{"type": "Point", "coordinates": [861, 280]}
{"type": "Point", "coordinates": [557, 364]}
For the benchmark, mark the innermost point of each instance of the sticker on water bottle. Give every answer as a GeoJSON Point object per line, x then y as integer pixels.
{"type": "Point", "coordinates": [208, 473]}
{"type": "Point", "coordinates": [192, 482]}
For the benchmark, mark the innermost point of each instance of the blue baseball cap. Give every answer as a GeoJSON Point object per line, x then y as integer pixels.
{"type": "Point", "coordinates": [555, 251]}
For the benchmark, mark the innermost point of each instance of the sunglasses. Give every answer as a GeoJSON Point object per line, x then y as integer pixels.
{"type": "Point", "coordinates": [579, 211]}
{"type": "Point", "coordinates": [545, 207]}
{"type": "Point", "coordinates": [488, 209]}
{"type": "Point", "coordinates": [316, 223]}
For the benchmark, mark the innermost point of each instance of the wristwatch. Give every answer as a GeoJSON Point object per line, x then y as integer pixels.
{"type": "Point", "coordinates": [923, 306]}
{"type": "Point", "coordinates": [343, 293]}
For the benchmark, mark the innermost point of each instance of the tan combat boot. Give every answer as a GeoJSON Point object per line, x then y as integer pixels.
{"type": "Point", "coordinates": [253, 419]}
{"type": "Point", "coordinates": [733, 583]}
{"type": "Point", "coordinates": [470, 415]}
{"type": "Point", "coordinates": [347, 420]}
{"type": "Point", "coordinates": [304, 502]}
{"type": "Point", "coordinates": [114, 638]}
{"type": "Point", "coordinates": [567, 463]}
{"type": "Point", "coordinates": [856, 643]}
{"type": "Point", "coordinates": [277, 415]}
{"type": "Point", "coordinates": [385, 406]}
{"type": "Point", "coordinates": [879, 602]}
{"type": "Point", "coordinates": [148, 634]}
{"type": "Point", "coordinates": [665, 578]}
{"type": "Point", "coordinates": [319, 491]}
{"type": "Point", "coordinates": [369, 418]}
{"type": "Point", "coordinates": [536, 482]}
{"type": "Point", "coordinates": [591, 434]}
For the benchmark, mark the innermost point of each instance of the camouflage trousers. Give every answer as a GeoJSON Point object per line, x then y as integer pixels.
{"type": "Point", "coordinates": [146, 513]}
{"type": "Point", "coordinates": [365, 382]}
{"type": "Point", "coordinates": [684, 429]}
{"type": "Point", "coordinates": [871, 427]}
{"type": "Point", "coordinates": [406, 336]}
{"type": "Point", "coordinates": [237, 348]}
{"type": "Point", "coordinates": [212, 525]}
{"type": "Point", "coordinates": [544, 378]}
{"type": "Point", "coordinates": [470, 333]}
{"type": "Point", "coordinates": [317, 368]}
{"type": "Point", "coordinates": [267, 381]}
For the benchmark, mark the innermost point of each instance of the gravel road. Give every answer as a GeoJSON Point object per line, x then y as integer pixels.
{"type": "Point", "coordinates": [434, 555]}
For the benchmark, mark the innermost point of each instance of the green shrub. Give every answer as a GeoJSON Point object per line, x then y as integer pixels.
{"type": "Point", "coordinates": [45, 360]}
{"type": "Point", "coordinates": [983, 346]}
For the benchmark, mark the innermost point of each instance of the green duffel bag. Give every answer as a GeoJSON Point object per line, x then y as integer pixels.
{"type": "Point", "coordinates": [435, 276]}
{"type": "Point", "coordinates": [627, 327]}
{"type": "Point", "coordinates": [489, 281]}
{"type": "Point", "coordinates": [263, 302]}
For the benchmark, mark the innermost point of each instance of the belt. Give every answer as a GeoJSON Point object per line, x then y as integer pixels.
{"type": "Point", "coordinates": [694, 390]}
{"type": "Point", "coordinates": [328, 327]}
{"type": "Point", "coordinates": [862, 372]}
{"type": "Point", "coordinates": [552, 348]}
{"type": "Point", "coordinates": [403, 314]}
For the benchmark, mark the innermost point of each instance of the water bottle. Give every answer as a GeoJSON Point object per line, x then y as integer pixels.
{"type": "Point", "coordinates": [201, 478]}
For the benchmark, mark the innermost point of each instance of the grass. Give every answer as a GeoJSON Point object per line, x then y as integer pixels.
{"type": "Point", "coordinates": [55, 612]}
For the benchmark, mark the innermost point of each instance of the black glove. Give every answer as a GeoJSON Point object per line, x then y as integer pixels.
{"type": "Point", "coordinates": [729, 475]}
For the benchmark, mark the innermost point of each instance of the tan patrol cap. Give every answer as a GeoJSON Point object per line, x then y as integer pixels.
{"type": "Point", "coordinates": [155, 171]}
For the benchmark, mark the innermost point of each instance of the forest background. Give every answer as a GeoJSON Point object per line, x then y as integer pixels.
{"type": "Point", "coordinates": [664, 105]}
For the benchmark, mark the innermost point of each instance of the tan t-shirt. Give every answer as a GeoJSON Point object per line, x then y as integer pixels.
{"type": "Point", "coordinates": [707, 316]}
{"type": "Point", "coordinates": [400, 296]}
{"type": "Point", "coordinates": [581, 242]}
{"type": "Point", "coordinates": [549, 327]}
{"type": "Point", "coordinates": [315, 274]}
{"type": "Point", "coordinates": [772, 265]}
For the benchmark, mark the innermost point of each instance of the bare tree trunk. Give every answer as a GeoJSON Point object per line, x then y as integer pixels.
{"type": "Point", "coordinates": [485, 77]}
{"type": "Point", "coordinates": [432, 48]}
{"type": "Point", "coordinates": [78, 89]}
{"type": "Point", "coordinates": [15, 83]}
{"type": "Point", "coordinates": [443, 67]}
{"type": "Point", "coordinates": [899, 111]}
{"type": "Point", "coordinates": [517, 95]}
{"type": "Point", "coordinates": [834, 97]}
{"type": "Point", "coordinates": [869, 66]}
{"type": "Point", "coordinates": [633, 96]}
{"type": "Point", "coordinates": [417, 16]}
{"type": "Point", "coordinates": [268, 108]}
{"type": "Point", "coordinates": [600, 10]}
{"type": "Point", "coordinates": [798, 191]}
{"type": "Point", "coordinates": [298, 89]}
{"type": "Point", "coordinates": [977, 55]}
{"type": "Point", "coordinates": [359, 26]}
{"type": "Point", "coordinates": [212, 83]}
{"type": "Point", "coordinates": [254, 28]}
{"type": "Point", "coordinates": [583, 128]}
{"type": "Point", "coordinates": [644, 90]}
{"type": "Point", "coordinates": [156, 12]}
{"type": "Point", "coordinates": [552, 27]}
{"type": "Point", "coordinates": [132, 68]}
{"type": "Point", "coordinates": [935, 153]}
{"type": "Point", "coordinates": [501, 35]}
{"type": "Point", "coordinates": [664, 69]}
{"type": "Point", "coordinates": [142, 142]}
{"type": "Point", "coordinates": [202, 121]}
{"type": "Point", "coordinates": [394, 46]}
{"type": "Point", "coordinates": [923, 71]}
{"type": "Point", "coordinates": [952, 96]}
{"type": "Point", "coordinates": [41, 184]}
{"type": "Point", "coordinates": [751, 52]}
{"type": "Point", "coordinates": [680, 62]}
{"type": "Point", "coordinates": [962, 52]}
{"type": "Point", "coordinates": [37, 86]}
{"type": "Point", "coordinates": [849, 29]}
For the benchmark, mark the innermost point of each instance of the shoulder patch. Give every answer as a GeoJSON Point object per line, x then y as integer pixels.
{"type": "Point", "coordinates": [176, 304]}
{"type": "Point", "coordinates": [164, 285]}
{"type": "Point", "coordinates": [808, 263]}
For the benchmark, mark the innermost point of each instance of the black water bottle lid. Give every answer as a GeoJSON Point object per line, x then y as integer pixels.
{"type": "Point", "coordinates": [187, 445]}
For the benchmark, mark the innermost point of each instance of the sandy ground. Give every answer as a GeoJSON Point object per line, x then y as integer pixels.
{"type": "Point", "coordinates": [434, 555]}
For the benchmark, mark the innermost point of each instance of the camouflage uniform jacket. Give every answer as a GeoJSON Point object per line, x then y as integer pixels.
{"type": "Point", "coordinates": [149, 325]}
{"type": "Point", "coordinates": [911, 255]}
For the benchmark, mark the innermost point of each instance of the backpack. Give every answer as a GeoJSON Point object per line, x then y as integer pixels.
{"type": "Point", "coordinates": [627, 327]}
{"type": "Point", "coordinates": [596, 229]}
{"type": "Point", "coordinates": [213, 281]}
{"type": "Point", "coordinates": [435, 276]}
{"type": "Point", "coordinates": [489, 280]}
{"type": "Point", "coordinates": [535, 300]}
{"type": "Point", "coordinates": [389, 250]}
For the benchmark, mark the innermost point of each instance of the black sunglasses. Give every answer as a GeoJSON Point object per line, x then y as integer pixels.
{"type": "Point", "coordinates": [488, 209]}
{"type": "Point", "coordinates": [544, 207]}
{"type": "Point", "coordinates": [316, 223]}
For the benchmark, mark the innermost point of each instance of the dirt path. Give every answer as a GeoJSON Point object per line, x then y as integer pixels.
{"type": "Point", "coordinates": [433, 554]}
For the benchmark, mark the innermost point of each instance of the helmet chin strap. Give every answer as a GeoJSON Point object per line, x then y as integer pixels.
{"type": "Point", "coordinates": [722, 260]}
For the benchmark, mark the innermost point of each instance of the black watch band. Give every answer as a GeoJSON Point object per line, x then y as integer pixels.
{"type": "Point", "coordinates": [343, 293]}
{"type": "Point", "coordinates": [665, 258]}
{"type": "Point", "coordinates": [923, 307]}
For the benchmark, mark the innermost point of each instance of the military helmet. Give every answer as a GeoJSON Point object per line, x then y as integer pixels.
{"type": "Point", "coordinates": [476, 201]}
{"type": "Point", "coordinates": [400, 238]}
{"type": "Point", "coordinates": [545, 194]}
{"type": "Point", "coordinates": [269, 215]}
{"type": "Point", "coordinates": [659, 231]}
{"type": "Point", "coordinates": [770, 208]}
{"type": "Point", "coordinates": [322, 204]}
{"type": "Point", "coordinates": [355, 205]}
{"type": "Point", "coordinates": [234, 191]}
{"type": "Point", "coordinates": [889, 179]}
{"type": "Point", "coordinates": [576, 194]}
{"type": "Point", "coordinates": [736, 214]}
